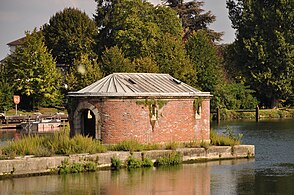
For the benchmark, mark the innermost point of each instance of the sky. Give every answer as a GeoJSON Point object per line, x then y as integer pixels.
{"type": "Point", "coordinates": [19, 16]}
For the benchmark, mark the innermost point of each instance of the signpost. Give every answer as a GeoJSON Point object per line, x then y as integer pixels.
{"type": "Point", "coordinates": [16, 100]}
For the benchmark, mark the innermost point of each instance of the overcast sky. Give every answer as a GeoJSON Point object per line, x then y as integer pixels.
{"type": "Point", "coordinates": [18, 16]}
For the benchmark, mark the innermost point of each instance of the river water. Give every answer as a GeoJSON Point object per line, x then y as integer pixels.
{"type": "Point", "coordinates": [271, 172]}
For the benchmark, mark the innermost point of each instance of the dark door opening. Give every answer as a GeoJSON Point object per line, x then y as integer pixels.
{"type": "Point", "coordinates": [89, 123]}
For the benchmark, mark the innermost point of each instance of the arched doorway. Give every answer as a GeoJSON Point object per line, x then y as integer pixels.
{"type": "Point", "coordinates": [88, 123]}
{"type": "Point", "coordinates": [86, 120]}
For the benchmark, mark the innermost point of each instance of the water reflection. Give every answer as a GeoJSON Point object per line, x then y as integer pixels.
{"type": "Point", "coordinates": [184, 179]}
{"type": "Point", "coordinates": [271, 172]}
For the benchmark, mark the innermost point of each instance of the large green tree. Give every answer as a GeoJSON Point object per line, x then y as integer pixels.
{"type": "Point", "coordinates": [69, 34]}
{"type": "Point", "coordinates": [141, 32]}
{"type": "Point", "coordinates": [31, 71]}
{"type": "Point", "coordinates": [134, 26]}
{"type": "Point", "coordinates": [84, 72]}
{"type": "Point", "coordinates": [194, 17]}
{"type": "Point", "coordinates": [205, 59]}
{"type": "Point", "coordinates": [263, 49]}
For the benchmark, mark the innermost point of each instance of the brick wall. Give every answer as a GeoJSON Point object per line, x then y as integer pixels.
{"type": "Point", "coordinates": [125, 119]}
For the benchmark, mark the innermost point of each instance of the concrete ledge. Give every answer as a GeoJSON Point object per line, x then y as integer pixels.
{"type": "Point", "coordinates": [30, 165]}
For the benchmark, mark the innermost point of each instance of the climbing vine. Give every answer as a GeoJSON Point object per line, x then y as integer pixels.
{"type": "Point", "coordinates": [197, 104]}
{"type": "Point", "coordinates": [152, 104]}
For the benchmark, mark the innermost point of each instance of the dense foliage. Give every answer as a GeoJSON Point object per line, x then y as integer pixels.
{"type": "Point", "coordinates": [69, 34]}
{"type": "Point", "coordinates": [83, 72]}
{"type": "Point", "coordinates": [263, 50]}
{"type": "Point", "coordinates": [31, 71]}
{"type": "Point", "coordinates": [174, 38]}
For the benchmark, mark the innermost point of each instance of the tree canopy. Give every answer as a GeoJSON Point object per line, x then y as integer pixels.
{"type": "Point", "coordinates": [31, 71]}
{"type": "Point", "coordinates": [263, 49]}
{"type": "Point", "coordinates": [137, 31]}
{"type": "Point", "coordinates": [69, 34]}
{"type": "Point", "coordinates": [84, 72]}
{"type": "Point", "coordinates": [205, 60]}
{"type": "Point", "coordinates": [193, 17]}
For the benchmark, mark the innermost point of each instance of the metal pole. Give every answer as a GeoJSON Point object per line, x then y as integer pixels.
{"type": "Point", "coordinates": [15, 109]}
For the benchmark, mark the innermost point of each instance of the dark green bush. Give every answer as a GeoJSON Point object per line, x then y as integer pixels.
{"type": "Point", "coordinates": [116, 163]}
{"type": "Point", "coordinates": [133, 163]}
{"type": "Point", "coordinates": [171, 159]}
{"type": "Point", "coordinates": [147, 162]}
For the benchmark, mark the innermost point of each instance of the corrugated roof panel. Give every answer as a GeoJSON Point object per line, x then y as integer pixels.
{"type": "Point", "coordinates": [138, 84]}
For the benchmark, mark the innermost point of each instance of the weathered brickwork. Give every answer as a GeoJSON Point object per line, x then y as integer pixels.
{"type": "Point", "coordinates": [125, 119]}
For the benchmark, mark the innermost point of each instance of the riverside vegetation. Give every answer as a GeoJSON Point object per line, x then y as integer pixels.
{"type": "Point", "coordinates": [60, 143]}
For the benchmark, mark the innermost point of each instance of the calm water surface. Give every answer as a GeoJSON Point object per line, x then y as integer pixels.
{"type": "Point", "coordinates": [271, 172]}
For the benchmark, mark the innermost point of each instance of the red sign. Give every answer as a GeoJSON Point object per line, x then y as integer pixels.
{"type": "Point", "coordinates": [16, 99]}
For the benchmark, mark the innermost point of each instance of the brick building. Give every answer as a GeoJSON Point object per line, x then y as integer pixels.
{"type": "Point", "coordinates": [147, 107]}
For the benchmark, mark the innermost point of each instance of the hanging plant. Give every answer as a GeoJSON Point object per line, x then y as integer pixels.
{"type": "Point", "coordinates": [197, 104]}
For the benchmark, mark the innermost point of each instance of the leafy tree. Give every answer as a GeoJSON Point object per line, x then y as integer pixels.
{"type": "Point", "coordinates": [84, 72]}
{"type": "Point", "coordinates": [6, 96]}
{"type": "Point", "coordinates": [69, 34]}
{"type": "Point", "coordinates": [6, 90]}
{"type": "Point", "coordinates": [31, 71]}
{"type": "Point", "coordinates": [134, 26]}
{"type": "Point", "coordinates": [145, 64]}
{"type": "Point", "coordinates": [171, 58]}
{"type": "Point", "coordinates": [205, 60]}
{"type": "Point", "coordinates": [149, 36]}
{"type": "Point", "coordinates": [193, 17]}
{"type": "Point", "coordinates": [263, 49]}
{"type": "Point", "coordinates": [233, 96]}
{"type": "Point", "coordinates": [113, 60]}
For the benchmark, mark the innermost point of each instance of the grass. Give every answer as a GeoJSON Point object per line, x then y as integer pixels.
{"type": "Point", "coordinates": [46, 111]}
{"type": "Point", "coordinates": [263, 114]}
{"type": "Point", "coordinates": [134, 146]}
{"type": "Point", "coordinates": [227, 139]}
{"type": "Point", "coordinates": [58, 143]}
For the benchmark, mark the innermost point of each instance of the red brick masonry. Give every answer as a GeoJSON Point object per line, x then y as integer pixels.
{"type": "Point", "coordinates": [125, 119]}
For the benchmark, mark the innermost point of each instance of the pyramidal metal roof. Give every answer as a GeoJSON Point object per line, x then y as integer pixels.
{"type": "Point", "coordinates": [138, 85]}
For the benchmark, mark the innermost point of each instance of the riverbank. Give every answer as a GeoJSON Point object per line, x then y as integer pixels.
{"type": "Point", "coordinates": [30, 165]}
{"type": "Point", "coordinates": [251, 114]}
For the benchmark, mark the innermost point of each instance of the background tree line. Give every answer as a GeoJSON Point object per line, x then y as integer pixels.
{"type": "Point", "coordinates": [173, 38]}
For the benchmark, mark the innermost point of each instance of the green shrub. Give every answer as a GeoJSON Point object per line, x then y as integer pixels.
{"type": "Point", "coordinates": [90, 166]}
{"type": "Point", "coordinates": [171, 159]}
{"type": "Point", "coordinates": [147, 162]}
{"type": "Point", "coordinates": [67, 167]}
{"type": "Point", "coordinates": [133, 163]}
{"type": "Point", "coordinates": [116, 163]}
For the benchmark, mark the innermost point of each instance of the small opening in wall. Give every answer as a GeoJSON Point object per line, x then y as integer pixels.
{"type": "Point", "coordinates": [198, 112]}
{"type": "Point", "coordinates": [153, 112]}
